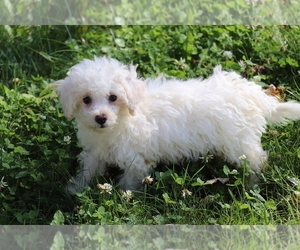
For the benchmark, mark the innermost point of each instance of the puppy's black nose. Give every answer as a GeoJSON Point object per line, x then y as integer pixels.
{"type": "Point", "coordinates": [101, 119]}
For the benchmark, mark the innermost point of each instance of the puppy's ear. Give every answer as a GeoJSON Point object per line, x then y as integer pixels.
{"type": "Point", "coordinates": [134, 90]}
{"type": "Point", "coordinates": [67, 100]}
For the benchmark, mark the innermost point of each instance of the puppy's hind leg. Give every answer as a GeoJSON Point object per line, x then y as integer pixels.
{"type": "Point", "coordinates": [89, 166]}
{"type": "Point", "coordinates": [257, 158]}
{"type": "Point", "coordinates": [133, 176]}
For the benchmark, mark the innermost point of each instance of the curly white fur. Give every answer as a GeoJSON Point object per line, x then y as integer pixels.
{"type": "Point", "coordinates": [136, 123]}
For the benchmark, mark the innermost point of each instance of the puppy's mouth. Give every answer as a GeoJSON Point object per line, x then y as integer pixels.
{"type": "Point", "coordinates": [98, 128]}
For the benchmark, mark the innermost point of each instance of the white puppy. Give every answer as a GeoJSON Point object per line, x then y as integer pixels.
{"type": "Point", "coordinates": [135, 123]}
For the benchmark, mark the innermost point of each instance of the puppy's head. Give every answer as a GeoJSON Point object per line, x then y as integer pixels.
{"type": "Point", "coordinates": [98, 92]}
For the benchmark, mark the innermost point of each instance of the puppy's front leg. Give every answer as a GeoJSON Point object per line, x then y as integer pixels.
{"type": "Point", "coordinates": [89, 166]}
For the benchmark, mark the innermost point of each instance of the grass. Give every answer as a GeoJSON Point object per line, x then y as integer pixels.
{"type": "Point", "coordinates": [39, 147]}
{"type": "Point", "coordinates": [202, 12]}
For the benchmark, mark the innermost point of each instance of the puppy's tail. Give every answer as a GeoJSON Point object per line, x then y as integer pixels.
{"type": "Point", "coordinates": [274, 111]}
{"type": "Point", "coordinates": [283, 112]}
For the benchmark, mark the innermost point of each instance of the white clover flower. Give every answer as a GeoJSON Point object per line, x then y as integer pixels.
{"type": "Point", "coordinates": [16, 80]}
{"type": "Point", "coordinates": [228, 54]}
{"type": "Point", "coordinates": [206, 159]}
{"type": "Point", "coordinates": [105, 188]}
{"type": "Point", "coordinates": [186, 193]}
{"type": "Point", "coordinates": [67, 139]}
{"type": "Point", "coordinates": [242, 64]}
{"type": "Point", "coordinates": [243, 157]}
{"type": "Point", "coordinates": [181, 63]}
{"type": "Point", "coordinates": [3, 184]}
{"type": "Point", "coordinates": [127, 195]}
{"type": "Point", "coordinates": [147, 180]}
{"type": "Point", "coordinates": [182, 60]}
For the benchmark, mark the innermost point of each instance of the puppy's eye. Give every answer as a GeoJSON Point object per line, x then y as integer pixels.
{"type": "Point", "coordinates": [87, 100]}
{"type": "Point", "coordinates": [112, 98]}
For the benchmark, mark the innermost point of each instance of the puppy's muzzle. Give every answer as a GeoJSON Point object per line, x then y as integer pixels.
{"type": "Point", "coordinates": [101, 119]}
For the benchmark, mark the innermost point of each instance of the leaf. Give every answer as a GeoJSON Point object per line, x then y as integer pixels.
{"type": "Point", "coordinates": [181, 38]}
{"type": "Point", "coordinates": [257, 195]}
{"type": "Point", "coordinates": [292, 62]}
{"type": "Point", "coordinates": [21, 174]}
{"type": "Point", "coordinates": [271, 204]}
{"type": "Point", "coordinates": [21, 150]}
{"type": "Point", "coordinates": [189, 47]}
{"type": "Point", "coordinates": [231, 65]}
{"type": "Point", "coordinates": [28, 96]}
{"type": "Point", "coordinates": [245, 206]}
{"type": "Point", "coordinates": [198, 183]}
{"type": "Point", "coordinates": [167, 199]}
{"type": "Point", "coordinates": [249, 197]}
{"type": "Point", "coordinates": [58, 218]}
{"type": "Point", "coordinates": [226, 170]}
{"type": "Point", "coordinates": [298, 152]}
{"type": "Point", "coordinates": [164, 175]}
{"type": "Point", "coordinates": [46, 56]}
{"type": "Point", "coordinates": [174, 217]}
{"type": "Point", "coordinates": [58, 242]}
{"type": "Point", "coordinates": [179, 181]}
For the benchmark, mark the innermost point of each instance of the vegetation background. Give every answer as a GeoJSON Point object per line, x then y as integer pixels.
{"type": "Point", "coordinates": [158, 12]}
{"type": "Point", "coordinates": [39, 147]}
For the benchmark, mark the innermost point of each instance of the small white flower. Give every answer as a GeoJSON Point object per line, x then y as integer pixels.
{"type": "Point", "coordinates": [105, 188]}
{"type": "Point", "coordinates": [181, 63]}
{"type": "Point", "coordinates": [242, 64]}
{"type": "Point", "coordinates": [186, 193]}
{"type": "Point", "coordinates": [182, 60]}
{"type": "Point", "coordinates": [3, 184]}
{"type": "Point", "coordinates": [206, 159]}
{"type": "Point", "coordinates": [67, 139]}
{"type": "Point", "coordinates": [228, 54]}
{"type": "Point", "coordinates": [234, 171]}
{"type": "Point", "coordinates": [147, 180]}
{"type": "Point", "coordinates": [243, 157]}
{"type": "Point", "coordinates": [16, 80]}
{"type": "Point", "coordinates": [127, 195]}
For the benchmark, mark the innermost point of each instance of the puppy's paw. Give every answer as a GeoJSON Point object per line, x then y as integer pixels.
{"type": "Point", "coordinates": [253, 179]}
{"type": "Point", "coordinates": [130, 184]}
